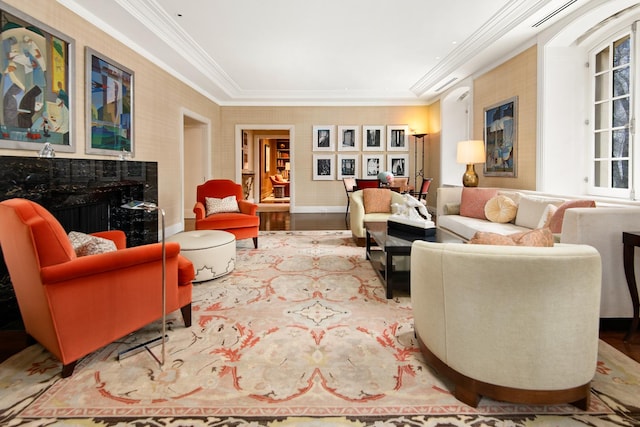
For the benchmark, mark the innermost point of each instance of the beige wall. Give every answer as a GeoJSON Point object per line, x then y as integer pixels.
{"type": "Point", "coordinates": [159, 99]}
{"type": "Point", "coordinates": [307, 192]}
{"type": "Point", "coordinates": [516, 77]}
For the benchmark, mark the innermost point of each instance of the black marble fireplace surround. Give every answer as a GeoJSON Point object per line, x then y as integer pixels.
{"type": "Point", "coordinates": [84, 195]}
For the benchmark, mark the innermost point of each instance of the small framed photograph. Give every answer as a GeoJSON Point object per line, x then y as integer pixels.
{"type": "Point", "coordinates": [372, 165]}
{"type": "Point", "coordinates": [398, 164]}
{"type": "Point", "coordinates": [323, 138]}
{"type": "Point", "coordinates": [373, 138]}
{"type": "Point", "coordinates": [398, 138]}
{"type": "Point", "coordinates": [324, 168]}
{"type": "Point", "coordinates": [348, 166]}
{"type": "Point", "coordinates": [348, 138]}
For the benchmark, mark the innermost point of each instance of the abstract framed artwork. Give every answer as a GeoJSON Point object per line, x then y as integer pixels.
{"type": "Point", "coordinates": [37, 84]}
{"type": "Point", "coordinates": [501, 138]}
{"type": "Point", "coordinates": [323, 138]}
{"type": "Point", "coordinates": [348, 166]}
{"type": "Point", "coordinates": [372, 165]}
{"type": "Point", "coordinates": [373, 138]}
{"type": "Point", "coordinates": [398, 164]}
{"type": "Point", "coordinates": [398, 138]}
{"type": "Point", "coordinates": [348, 138]}
{"type": "Point", "coordinates": [109, 116]}
{"type": "Point", "coordinates": [324, 167]}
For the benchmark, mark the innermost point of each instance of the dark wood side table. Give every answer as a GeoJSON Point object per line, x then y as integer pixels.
{"type": "Point", "coordinates": [631, 239]}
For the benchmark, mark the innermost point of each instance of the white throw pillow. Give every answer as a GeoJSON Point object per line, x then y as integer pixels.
{"type": "Point", "coordinates": [228, 204]}
{"type": "Point", "coordinates": [530, 210]}
{"type": "Point", "coordinates": [85, 244]}
{"type": "Point", "coordinates": [545, 219]}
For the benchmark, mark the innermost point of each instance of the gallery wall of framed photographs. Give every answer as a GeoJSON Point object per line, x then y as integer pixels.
{"type": "Point", "coordinates": [359, 151]}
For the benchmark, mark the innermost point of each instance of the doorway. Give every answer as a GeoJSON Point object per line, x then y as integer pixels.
{"type": "Point", "coordinates": [267, 154]}
{"type": "Point", "coordinates": [196, 169]}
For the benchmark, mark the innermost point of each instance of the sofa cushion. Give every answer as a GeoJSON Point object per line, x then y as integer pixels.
{"type": "Point", "coordinates": [500, 209]}
{"type": "Point", "coordinates": [227, 204]}
{"type": "Point", "coordinates": [473, 200]}
{"type": "Point", "coordinates": [85, 244]}
{"type": "Point", "coordinates": [541, 237]}
{"type": "Point", "coordinates": [376, 200]}
{"type": "Point", "coordinates": [465, 227]}
{"type": "Point", "coordinates": [530, 210]}
{"type": "Point", "coordinates": [555, 222]}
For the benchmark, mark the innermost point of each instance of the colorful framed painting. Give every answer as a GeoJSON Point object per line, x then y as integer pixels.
{"type": "Point", "coordinates": [348, 138]}
{"type": "Point", "coordinates": [373, 138]}
{"type": "Point", "coordinates": [501, 138]}
{"type": "Point", "coordinates": [398, 138]}
{"type": "Point", "coordinates": [37, 83]}
{"type": "Point", "coordinates": [324, 168]}
{"type": "Point", "coordinates": [372, 165]}
{"type": "Point", "coordinates": [110, 106]}
{"type": "Point", "coordinates": [323, 138]}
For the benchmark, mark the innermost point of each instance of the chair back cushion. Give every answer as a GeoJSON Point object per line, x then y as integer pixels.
{"type": "Point", "coordinates": [26, 221]}
{"type": "Point", "coordinates": [219, 189]}
{"type": "Point", "coordinates": [376, 200]}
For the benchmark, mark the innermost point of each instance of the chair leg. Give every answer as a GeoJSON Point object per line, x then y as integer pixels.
{"type": "Point", "coordinates": [186, 315]}
{"type": "Point", "coordinates": [67, 369]}
{"type": "Point", "coordinates": [255, 242]}
{"type": "Point", "coordinates": [346, 214]}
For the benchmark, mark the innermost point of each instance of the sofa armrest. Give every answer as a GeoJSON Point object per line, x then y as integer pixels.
{"type": "Point", "coordinates": [116, 236]}
{"type": "Point", "coordinates": [199, 210]}
{"type": "Point", "coordinates": [602, 228]}
{"type": "Point", "coordinates": [447, 195]}
{"type": "Point", "coordinates": [90, 265]}
{"type": "Point", "coordinates": [247, 207]}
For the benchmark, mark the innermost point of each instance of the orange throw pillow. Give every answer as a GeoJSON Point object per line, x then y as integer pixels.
{"type": "Point", "coordinates": [473, 200]}
{"type": "Point", "coordinates": [542, 237]}
{"type": "Point", "coordinates": [376, 200]}
{"type": "Point", "coordinates": [555, 224]}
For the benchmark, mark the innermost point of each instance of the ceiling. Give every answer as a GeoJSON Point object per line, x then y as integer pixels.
{"type": "Point", "coordinates": [329, 52]}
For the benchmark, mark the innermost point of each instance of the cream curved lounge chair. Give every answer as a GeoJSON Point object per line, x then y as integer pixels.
{"type": "Point", "coordinates": [512, 323]}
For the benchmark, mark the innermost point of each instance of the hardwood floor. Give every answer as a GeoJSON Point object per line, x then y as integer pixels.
{"type": "Point", "coordinates": [611, 331]}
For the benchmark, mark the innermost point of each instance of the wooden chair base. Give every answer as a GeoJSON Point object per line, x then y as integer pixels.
{"type": "Point", "coordinates": [470, 391]}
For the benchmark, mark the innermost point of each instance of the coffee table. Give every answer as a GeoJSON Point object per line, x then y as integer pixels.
{"type": "Point", "coordinates": [381, 248]}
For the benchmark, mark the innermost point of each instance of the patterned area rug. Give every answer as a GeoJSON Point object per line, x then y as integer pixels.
{"type": "Point", "coordinates": [300, 333]}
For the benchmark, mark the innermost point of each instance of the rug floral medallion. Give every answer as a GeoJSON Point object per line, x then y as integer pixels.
{"type": "Point", "coordinates": [300, 333]}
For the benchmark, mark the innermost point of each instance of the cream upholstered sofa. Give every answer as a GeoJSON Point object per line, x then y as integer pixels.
{"type": "Point", "coordinates": [358, 214]}
{"type": "Point", "coordinates": [512, 323]}
{"type": "Point", "coordinates": [600, 227]}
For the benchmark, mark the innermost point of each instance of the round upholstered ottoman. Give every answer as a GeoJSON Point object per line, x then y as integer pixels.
{"type": "Point", "coordinates": [212, 252]}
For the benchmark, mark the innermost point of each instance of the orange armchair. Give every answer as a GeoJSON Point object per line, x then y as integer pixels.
{"type": "Point", "coordinates": [75, 305]}
{"type": "Point", "coordinates": [278, 181]}
{"type": "Point", "coordinates": [244, 224]}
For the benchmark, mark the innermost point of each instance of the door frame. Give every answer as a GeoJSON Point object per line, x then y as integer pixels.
{"type": "Point", "coordinates": [258, 127]}
{"type": "Point", "coordinates": [205, 148]}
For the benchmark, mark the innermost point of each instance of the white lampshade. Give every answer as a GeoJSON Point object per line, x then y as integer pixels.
{"type": "Point", "coordinates": [287, 166]}
{"type": "Point", "coordinates": [470, 152]}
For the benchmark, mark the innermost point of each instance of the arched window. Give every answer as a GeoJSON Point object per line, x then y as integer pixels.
{"type": "Point", "coordinates": [612, 67]}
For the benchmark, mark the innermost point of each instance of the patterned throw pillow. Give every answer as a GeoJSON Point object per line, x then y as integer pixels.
{"type": "Point", "coordinates": [500, 209]}
{"type": "Point", "coordinates": [473, 200]}
{"type": "Point", "coordinates": [542, 237]}
{"type": "Point", "coordinates": [376, 200]}
{"type": "Point", "coordinates": [228, 204]}
{"type": "Point", "coordinates": [85, 244]}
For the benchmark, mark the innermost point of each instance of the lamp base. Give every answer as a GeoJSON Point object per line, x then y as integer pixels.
{"type": "Point", "coordinates": [470, 178]}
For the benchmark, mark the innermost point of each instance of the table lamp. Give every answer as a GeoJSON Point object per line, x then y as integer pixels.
{"type": "Point", "coordinates": [470, 153]}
